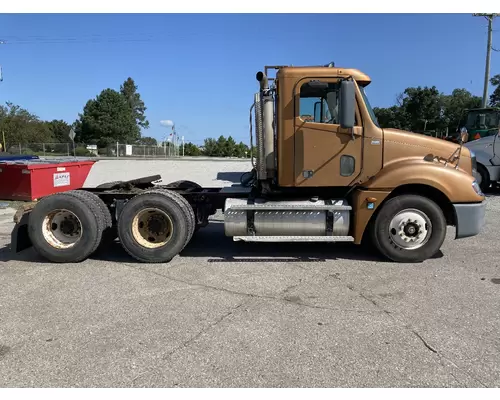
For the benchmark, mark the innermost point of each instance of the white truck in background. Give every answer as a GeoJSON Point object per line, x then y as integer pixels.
{"type": "Point", "coordinates": [487, 151]}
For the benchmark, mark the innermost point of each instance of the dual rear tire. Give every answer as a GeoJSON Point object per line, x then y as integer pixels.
{"type": "Point", "coordinates": [69, 227]}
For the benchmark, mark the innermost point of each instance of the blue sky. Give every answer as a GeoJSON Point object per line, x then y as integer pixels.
{"type": "Point", "coordinates": [199, 70]}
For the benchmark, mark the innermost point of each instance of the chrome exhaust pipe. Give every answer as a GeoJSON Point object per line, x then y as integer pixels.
{"type": "Point", "coordinates": [266, 164]}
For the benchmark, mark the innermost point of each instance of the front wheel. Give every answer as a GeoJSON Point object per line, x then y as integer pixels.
{"type": "Point", "coordinates": [409, 228]}
{"type": "Point", "coordinates": [483, 178]}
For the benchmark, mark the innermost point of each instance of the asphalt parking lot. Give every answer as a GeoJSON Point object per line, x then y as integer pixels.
{"type": "Point", "coordinates": [226, 314]}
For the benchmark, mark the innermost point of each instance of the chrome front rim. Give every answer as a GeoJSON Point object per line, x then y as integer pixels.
{"type": "Point", "coordinates": [152, 228]}
{"type": "Point", "coordinates": [62, 229]}
{"type": "Point", "coordinates": [410, 229]}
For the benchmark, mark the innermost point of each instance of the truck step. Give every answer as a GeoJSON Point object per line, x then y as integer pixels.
{"type": "Point", "coordinates": [289, 207]}
{"type": "Point", "coordinates": [275, 239]}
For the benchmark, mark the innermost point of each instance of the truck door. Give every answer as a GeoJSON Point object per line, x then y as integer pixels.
{"type": "Point", "coordinates": [325, 153]}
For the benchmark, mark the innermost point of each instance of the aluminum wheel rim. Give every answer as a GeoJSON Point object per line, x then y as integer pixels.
{"type": "Point", "coordinates": [410, 229]}
{"type": "Point", "coordinates": [152, 228]}
{"type": "Point", "coordinates": [62, 229]}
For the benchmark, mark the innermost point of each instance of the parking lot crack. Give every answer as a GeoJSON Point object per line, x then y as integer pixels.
{"type": "Point", "coordinates": [288, 299]}
{"type": "Point", "coordinates": [204, 330]}
{"type": "Point", "coordinates": [413, 331]}
{"type": "Point", "coordinates": [422, 340]}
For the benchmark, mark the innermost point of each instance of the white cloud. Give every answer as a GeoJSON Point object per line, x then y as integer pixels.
{"type": "Point", "coordinates": [166, 122]}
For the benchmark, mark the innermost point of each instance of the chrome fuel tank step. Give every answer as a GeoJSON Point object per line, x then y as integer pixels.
{"type": "Point", "coordinates": [276, 239]}
{"type": "Point", "coordinates": [305, 218]}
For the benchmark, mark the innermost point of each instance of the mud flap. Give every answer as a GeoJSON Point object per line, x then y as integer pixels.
{"type": "Point", "coordinates": [19, 238]}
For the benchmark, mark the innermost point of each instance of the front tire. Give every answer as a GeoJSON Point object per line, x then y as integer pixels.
{"type": "Point", "coordinates": [409, 228]}
{"type": "Point", "coordinates": [483, 178]}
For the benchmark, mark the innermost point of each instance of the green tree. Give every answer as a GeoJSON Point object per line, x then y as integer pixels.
{"type": "Point", "coordinates": [392, 117]}
{"type": "Point", "coordinates": [129, 90]}
{"type": "Point", "coordinates": [455, 105]}
{"type": "Point", "coordinates": [242, 150]}
{"type": "Point", "coordinates": [60, 130]}
{"type": "Point", "coordinates": [107, 119]}
{"type": "Point", "coordinates": [191, 149]}
{"type": "Point", "coordinates": [147, 141]}
{"type": "Point", "coordinates": [229, 147]}
{"type": "Point", "coordinates": [423, 108]}
{"type": "Point", "coordinates": [495, 96]}
{"type": "Point", "coordinates": [210, 147]}
{"type": "Point", "coordinates": [220, 146]}
{"type": "Point", "coordinates": [21, 126]}
{"type": "Point", "coordinates": [420, 109]}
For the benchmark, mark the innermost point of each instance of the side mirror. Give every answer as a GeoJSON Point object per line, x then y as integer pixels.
{"type": "Point", "coordinates": [464, 135]}
{"type": "Point", "coordinates": [317, 117]}
{"type": "Point", "coordinates": [347, 104]}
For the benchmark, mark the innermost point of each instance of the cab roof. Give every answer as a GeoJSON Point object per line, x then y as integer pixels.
{"type": "Point", "coordinates": [322, 71]}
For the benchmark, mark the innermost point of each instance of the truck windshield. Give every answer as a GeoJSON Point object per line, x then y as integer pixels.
{"type": "Point", "coordinates": [482, 119]}
{"type": "Point", "coordinates": [368, 106]}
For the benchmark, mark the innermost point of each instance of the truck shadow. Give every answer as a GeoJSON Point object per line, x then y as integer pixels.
{"type": "Point", "coordinates": [211, 244]}
{"type": "Point", "coordinates": [493, 191]}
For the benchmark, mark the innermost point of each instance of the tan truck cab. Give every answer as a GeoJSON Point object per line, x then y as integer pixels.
{"type": "Point", "coordinates": [403, 188]}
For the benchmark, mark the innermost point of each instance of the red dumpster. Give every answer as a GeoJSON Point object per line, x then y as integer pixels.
{"type": "Point", "coordinates": [29, 180]}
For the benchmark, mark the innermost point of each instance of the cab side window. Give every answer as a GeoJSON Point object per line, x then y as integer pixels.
{"type": "Point", "coordinates": [319, 102]}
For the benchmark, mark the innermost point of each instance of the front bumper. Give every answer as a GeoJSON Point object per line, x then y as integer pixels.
{"type": "Point", "coordinates": [470, 219]}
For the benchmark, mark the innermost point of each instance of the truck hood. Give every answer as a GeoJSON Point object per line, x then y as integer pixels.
{"type": "Point", "coordinates": [417, 144]}
{"type": "Point", "coordinates": [399, 144]}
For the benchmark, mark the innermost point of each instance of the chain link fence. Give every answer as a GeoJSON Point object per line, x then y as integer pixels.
{"type": "Point", "coordinates": [145, 151]}
{"type": "Point", "coordinates": [41, 149]}
{"type": "Point", "coordinates": [82, 150]}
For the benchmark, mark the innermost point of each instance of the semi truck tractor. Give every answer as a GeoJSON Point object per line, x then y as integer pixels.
{"type": "Point", "coordinates": [481, 122]}
{"type": "Point", "coordinates": [332, 176]}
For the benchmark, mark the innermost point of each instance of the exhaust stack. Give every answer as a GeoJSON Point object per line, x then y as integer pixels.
{"type": "Point", "coordinates": [264, 125]}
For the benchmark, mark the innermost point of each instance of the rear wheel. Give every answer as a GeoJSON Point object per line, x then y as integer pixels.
{"type": "Point", "coordinates": [155, 226]}
{"type": "Point", "coordinates": [66, 227]}
{"type": "Point", "coordinates": [409, 228]}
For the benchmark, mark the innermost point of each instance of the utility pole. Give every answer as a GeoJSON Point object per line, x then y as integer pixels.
{"type": "Point", "coordinates": [489, 18]}
{"type": "Point", "coordinates": [1, 73]}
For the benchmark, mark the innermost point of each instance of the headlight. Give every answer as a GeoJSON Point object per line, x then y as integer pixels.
{"type": "Point", "coordinates": [476, 188]}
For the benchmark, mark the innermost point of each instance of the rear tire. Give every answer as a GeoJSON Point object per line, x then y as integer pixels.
{"type": "Point", "coordinates": [66, 227]}
{"type": "Point", "coordinates": [409, 228]}
{"type": "Point", "coordinates": [186, 185]}
{"type": "Point", "coordinates": [155, 226]}
{"type": "Point", "coordinates": [183, 184]}
{"type": "Point", "coordinates": [108, 185]}
{"type": "Point", "coordinates": [109, 233]}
